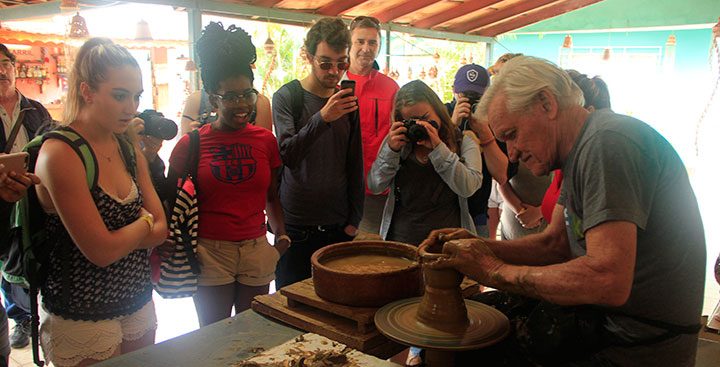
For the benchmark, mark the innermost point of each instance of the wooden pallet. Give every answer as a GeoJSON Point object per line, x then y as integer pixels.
{"type": "Point", "coordinates": [298, 305]}
{"type": "Point", "coordinates": [303, 293]}
{"type": "Point", "coordinates": [321, 322]}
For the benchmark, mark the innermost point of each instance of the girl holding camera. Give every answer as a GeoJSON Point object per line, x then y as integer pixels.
{"type": "Point", "coordinates": [429, 166]}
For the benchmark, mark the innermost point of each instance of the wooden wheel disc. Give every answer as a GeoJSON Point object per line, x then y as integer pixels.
{"type": "Point", "coordinates": [486, 327]}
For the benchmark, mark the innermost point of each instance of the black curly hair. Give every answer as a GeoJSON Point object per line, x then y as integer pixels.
{"type": "Point", "coordinates": [224, 53]}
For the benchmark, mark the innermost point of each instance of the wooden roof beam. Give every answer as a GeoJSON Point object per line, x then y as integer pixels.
{"type": "Point", "coordinates": [265, 3]}
{"type": "Point", "coordinates": [533, 17]}
{"type": "Point", "coordinates": [402, 9]}
{"type": "Point", "coordinates": [459, 10]}
{"type": "Point", "coordinates": [338, 7]}
{"type": "Point", "coordinates": [510, 11]}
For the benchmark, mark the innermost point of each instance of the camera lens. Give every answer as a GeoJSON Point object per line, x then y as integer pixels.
{"type": "Point", "coordinates": [417, 133]}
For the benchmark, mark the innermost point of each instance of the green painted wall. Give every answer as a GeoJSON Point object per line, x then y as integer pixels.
{"type": "Point", "coordinates": [691, 51]}
{"type": "Point", "coordinates": [669, 100]}
{"type": "Point", "coordinates": [632, 14]}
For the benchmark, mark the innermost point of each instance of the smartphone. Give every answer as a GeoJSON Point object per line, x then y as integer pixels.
{"type": "Point", "coordinates": [17, 162]}
{"type": "Point", "coordinates": [345, 84]}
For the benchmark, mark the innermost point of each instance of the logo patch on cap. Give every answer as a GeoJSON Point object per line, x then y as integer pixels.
{"type": "Point", "coordinates": [472, 75]}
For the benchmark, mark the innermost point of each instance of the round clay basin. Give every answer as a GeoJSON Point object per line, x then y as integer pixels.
{"type": "Point", "coordinates": [374, 288]}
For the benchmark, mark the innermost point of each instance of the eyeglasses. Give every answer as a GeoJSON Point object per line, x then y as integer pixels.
{"type": "Point", "coordinates": [248, 96]}
{"type": "Point", "coordinates": [365, 21]}
{"type": "Point", "coordinates": [326, 65]}
{"type": "Point", "coordinates": [7, 64]}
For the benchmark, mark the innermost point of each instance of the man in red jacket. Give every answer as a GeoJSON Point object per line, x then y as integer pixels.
{"type": "Point", "coordinates": [376, 94]}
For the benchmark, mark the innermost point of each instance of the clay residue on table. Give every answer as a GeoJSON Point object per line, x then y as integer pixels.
{"type": "Point", "coordinates": [301, 358]}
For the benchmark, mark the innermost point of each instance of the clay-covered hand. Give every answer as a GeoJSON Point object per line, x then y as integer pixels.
{"type": "Point", "coordinates": [530, 217]}
{"type": "Point", "coordinates": [447, 234]}
{"type": "Point", "coordinates": [438, 237]}
{"type": "Point", "coordinates": [339, 104]}
{"type": "Point", "coordinates": [434, 138]}
{"type": "Point", "coordinates": [471, 257]}
{"type": "Point", "coordinates": [396, 137]}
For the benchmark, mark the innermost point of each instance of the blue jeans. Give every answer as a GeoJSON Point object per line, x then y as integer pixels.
{"type": "Point", "coordinates": [4, 338]}
{"type": "Point", "coordinates": [16, 301]}
{"type": "Point", "coordinates": [294, 265]}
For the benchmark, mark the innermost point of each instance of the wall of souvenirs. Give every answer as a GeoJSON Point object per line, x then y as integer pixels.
{"type": "Point", "coordinates": [41, 74]}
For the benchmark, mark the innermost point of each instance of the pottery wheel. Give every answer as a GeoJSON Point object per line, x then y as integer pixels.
{"type": "Point", "coordinates": [397, 321]}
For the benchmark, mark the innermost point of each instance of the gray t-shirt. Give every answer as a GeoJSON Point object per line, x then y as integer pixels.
{"type": "Point", "coordinates": [323, 179]}
{"type": "Point", "coordinates": [620, 169]}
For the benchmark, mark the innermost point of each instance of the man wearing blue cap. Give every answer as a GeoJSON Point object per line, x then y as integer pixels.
{"type": "Point", "coordinates": [470, 83]}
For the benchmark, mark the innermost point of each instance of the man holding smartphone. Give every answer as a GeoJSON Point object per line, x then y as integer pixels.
{"type": "Point", "coordinates": [376, 93]}
{"type": "Point", "coordinates": [321, 188]}
{"type": "Point", "coordinates": [21, 117]}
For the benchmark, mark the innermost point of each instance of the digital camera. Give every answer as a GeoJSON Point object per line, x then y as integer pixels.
{"type": "Point", "coordinates": [473, 99]}
{"type": "Point", "coordinates": [157, 125]}
{"type": "Point", "coordinates": [416, 132]}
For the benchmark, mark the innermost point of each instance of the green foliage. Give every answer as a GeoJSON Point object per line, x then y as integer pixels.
{"type": "Point", "coordinates": [416, 53]}
{"type": "Point", "coordinates": [407, 52]}
{"type": "Point", "coordinates": [288, 62]}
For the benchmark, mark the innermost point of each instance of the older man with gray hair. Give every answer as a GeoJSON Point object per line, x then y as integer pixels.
{"type": "Point", "coordinates": [619, 273]}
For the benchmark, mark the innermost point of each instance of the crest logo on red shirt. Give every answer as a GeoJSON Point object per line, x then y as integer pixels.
{"type": "Point", "coordinates": [233, 163]}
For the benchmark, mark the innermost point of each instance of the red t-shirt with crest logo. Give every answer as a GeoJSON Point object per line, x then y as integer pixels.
{"type": "Point", "coordinates": [233, 180]}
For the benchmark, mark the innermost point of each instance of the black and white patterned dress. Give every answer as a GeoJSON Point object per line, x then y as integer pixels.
{"type": "Point", "coordinates": [79, 290]}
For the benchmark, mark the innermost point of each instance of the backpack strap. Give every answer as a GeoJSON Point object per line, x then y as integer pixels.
{"type": "Point", "coordinates": [23, 215]}
{"type": "Point", "coordinates": [127, 151]}
{"type": "Point", "coordinates": [191, 163]}
{"type": "Point", "coordinates": [297, 93]}
{"type": "Point", "coordinates": [83, 150]}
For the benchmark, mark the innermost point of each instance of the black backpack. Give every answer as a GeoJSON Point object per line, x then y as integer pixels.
{"type": "Point", "coordinates": [30, 246]}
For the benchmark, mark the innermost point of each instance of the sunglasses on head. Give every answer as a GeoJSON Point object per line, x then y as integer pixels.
{"type": "Point", "coordinates": [326, 65]}
{"type": "Point", "coordinates": [366, 20]}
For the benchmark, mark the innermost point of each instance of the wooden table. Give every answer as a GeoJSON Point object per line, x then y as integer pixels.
{"type": "Point", "coordinates": [220, 344]}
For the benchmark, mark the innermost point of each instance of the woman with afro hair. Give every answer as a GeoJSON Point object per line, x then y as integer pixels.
{"type": "Point", "coordinates": [236, 181]}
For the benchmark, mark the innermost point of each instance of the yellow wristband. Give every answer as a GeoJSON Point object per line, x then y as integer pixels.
{"type": "Point", "coordinates": [150, 220]}
{"type": "Point", "coordinates": [283, 237]}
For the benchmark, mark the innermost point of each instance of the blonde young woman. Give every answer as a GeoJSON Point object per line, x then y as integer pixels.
{"type": "Point", "coordinates": [97, 299]}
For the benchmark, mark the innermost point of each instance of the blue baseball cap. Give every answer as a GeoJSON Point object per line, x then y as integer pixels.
{"type": "Point", "coordinates": [471, 77]}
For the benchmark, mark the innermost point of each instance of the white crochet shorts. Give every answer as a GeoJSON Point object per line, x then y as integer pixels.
{"type": "Point", "coordinates": [68, 342]}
